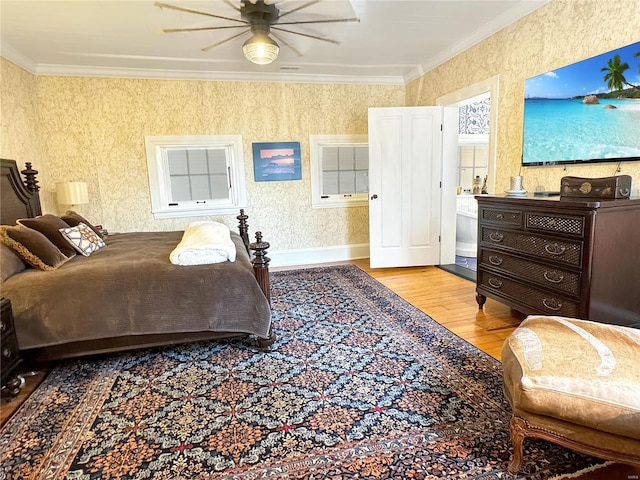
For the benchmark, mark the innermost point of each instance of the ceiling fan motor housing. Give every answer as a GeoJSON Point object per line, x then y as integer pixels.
{"type": "Point", "coordinates": [259, 12]}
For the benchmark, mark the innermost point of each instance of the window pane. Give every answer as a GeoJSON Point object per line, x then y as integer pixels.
{"type": "Point", "coordinates": [219, 186]}
{"type": "Point", "coordinates": [482, 156]}
{"type": "Point", "coordinates": [345, 155]}
{"type": "Point", "coordinates": [217, 160]}
{"type": "Point", "coordinates": [348, 182]}
{"type": "Point", "coordinates": [180, 190]}
{"type": "Point", "coordinates": [362, 158]}
{"type": "Point", "coordinates": [330, 183]}
{"type": "Point", "coordinates": [197, 161]}
{"type": "Point", "coordinates": [329, 158]}
{"type": "Point", "coordinates": [466, 156]}
{"type": "Point", "coordinates": [177, 162]}
{"type": "Point", "coordinates": [362, 182]}
{"type": "Point", "coordinates": [200, 187]}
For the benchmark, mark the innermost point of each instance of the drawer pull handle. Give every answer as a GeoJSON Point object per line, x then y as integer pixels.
{"type": "Point", "coordinates": [495, 260]}
{"type": "Point", "coordinates": [496, 237]}
{"type": "Point", "coordinates": [553, 277]}
{"type": "Point", "coordinates": [555, 249]}
{"type": "Point", "coordinates": [552, 304]}
{"type": "Point", "coordinates": [6, 353]}
{"type": "Point", "coordinates": [3, 327]}
{"type": "Point", "coordinates": [495, 283]}
{"type": "Point", "coordinates": [500, 216]}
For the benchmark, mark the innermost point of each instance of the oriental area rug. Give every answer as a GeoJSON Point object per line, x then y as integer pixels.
{"type": "Point", "coordinates": [360, 384]}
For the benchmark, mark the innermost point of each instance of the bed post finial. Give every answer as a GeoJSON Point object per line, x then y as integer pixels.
{"type": "Point", "coordinates": [261, 265]}
{"type": "Point", "coordinates": [30, 178]}
{"type": "Point", "coordinates": [243, 229]}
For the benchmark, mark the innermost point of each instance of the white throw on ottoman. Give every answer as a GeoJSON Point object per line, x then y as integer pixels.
{"type": "Point", "coordinates": [575, 383]}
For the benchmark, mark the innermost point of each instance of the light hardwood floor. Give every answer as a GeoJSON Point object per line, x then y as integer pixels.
{"type": "Point", "coordinates": [449, 300]}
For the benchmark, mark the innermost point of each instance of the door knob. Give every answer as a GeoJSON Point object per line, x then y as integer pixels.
{"type": "Point", "coordinates": [374, 196]}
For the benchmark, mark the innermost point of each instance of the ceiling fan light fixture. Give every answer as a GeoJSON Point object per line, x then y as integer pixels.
{"type": "Point", "coordinates": [260, 49]}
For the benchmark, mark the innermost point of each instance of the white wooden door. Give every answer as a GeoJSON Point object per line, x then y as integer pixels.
{"type": "Point", "coordinates": [405, 185]}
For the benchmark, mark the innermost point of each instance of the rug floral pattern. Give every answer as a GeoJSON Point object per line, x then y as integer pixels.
{"type": "Point", "coordinates": [360, 384]}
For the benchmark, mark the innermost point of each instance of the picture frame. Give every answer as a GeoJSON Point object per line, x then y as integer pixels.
{"type": "Point", "coordinates": [276, 161]}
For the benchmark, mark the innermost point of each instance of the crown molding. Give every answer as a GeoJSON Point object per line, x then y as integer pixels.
{"type": "Point", "coordinates": [14, 56]}
{"type": "Point", "coordinates": [164, 74]}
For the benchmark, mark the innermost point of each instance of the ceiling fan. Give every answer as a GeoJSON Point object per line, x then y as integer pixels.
{"type": "Point", "coordinates": [260, 19]}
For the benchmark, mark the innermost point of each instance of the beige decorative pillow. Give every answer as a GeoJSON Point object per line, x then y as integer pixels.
{"type": "Point", "coordinates": [32, 246]}
{"type": "Point", "coordinates": [83, 239]}
{"type": "Point", "coordinates": [50, 225]}
{"type": "Point", "coordinates": [74, 218]}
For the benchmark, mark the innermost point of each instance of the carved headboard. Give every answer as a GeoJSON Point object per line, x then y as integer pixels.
{"type": "Point", "coordinates": [18, 199]}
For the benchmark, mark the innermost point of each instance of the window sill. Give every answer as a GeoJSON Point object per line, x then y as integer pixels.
{"type": "Point", "coordinates": [197, 212]}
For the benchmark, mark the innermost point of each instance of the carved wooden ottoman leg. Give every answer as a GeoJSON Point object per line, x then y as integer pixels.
{"type": "Point", "coordinates": [517, 431]}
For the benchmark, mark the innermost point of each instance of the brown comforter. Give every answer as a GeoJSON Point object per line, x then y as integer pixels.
{"type": "Point", "coordinates": [130, 288]}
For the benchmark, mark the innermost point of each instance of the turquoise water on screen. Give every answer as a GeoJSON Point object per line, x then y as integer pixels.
{"type": "Point", "coordinates": [562, 129]}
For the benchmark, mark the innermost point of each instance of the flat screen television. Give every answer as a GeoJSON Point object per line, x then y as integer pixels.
{"type": "Point", "coordinates": [588, 111]}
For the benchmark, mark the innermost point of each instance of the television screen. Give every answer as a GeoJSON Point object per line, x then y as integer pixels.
{"type": "Point", "coordinates": [585, 112]}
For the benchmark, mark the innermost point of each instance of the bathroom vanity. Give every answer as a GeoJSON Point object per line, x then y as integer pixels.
{"type": "Point", "coordinates": [561, 256]}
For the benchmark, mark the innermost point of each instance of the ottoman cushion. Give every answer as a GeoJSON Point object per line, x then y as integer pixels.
{"type": "Point", "coordinates": [578, 371]}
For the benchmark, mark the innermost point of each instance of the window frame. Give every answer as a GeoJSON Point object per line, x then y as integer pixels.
{"type": "Point", "coordinates": [316, 143]}
{"type": "Point", "coordinates": [160, 182]}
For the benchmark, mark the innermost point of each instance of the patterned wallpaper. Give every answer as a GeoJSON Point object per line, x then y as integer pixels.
{"type": "Point", "coordinates": [93, 130]}
{"type": "Point", "coordinates": [558, 34]}
{"type": "Point", "coordinates": [474, 117]}
{"type": "Point", "coordinates": [19, 139]}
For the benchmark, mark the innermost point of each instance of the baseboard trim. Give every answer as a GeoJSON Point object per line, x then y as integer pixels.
{"type": "Point", "coordinates": [310, 256]}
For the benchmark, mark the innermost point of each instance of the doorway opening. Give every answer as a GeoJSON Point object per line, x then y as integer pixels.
{"type": "Point", "coordinates": [476, 154]}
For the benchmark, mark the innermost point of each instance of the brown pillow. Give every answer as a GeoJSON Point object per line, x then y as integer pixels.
{"type": "Point", "coordinates": [32, 246]}
{"type": "Point", "coordinates": [10, 263]}
{"type": "Point", "coordinates": [74, 219]}
{"type": "Point", "coordinates": [50, 225]}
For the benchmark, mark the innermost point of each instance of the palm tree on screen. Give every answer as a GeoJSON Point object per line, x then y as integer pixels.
{"type": "Point", "coordinates": [615, 73]}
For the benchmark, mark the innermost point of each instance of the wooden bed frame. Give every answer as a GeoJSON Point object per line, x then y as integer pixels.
{"type": "Point", "coordinates": [21, 199]}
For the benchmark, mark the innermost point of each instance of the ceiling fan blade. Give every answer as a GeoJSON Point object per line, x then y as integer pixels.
{"type": "Point", "coordinates": [231, 4]}
{"type": "Point", "coordinates": [287, 44]}
{"type": "Point", "coordinates": [308, 4]}
{"type": "Point", "coordinates": [217, 44]}
{"type": "Point", "coordinates": [337, 20]}
{"type": "Point", "coordinates": [198, 29]}
{"type": "Point", "coordinates": [188, 10]}
{"type": "Point", "coordinates": [335, 42]}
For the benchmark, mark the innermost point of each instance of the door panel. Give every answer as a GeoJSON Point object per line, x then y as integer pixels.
{"type": "Point", "coordinates": [404, 178]}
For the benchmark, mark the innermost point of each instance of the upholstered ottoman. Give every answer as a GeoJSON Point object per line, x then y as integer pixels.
{"type": "Point", "coordinates": [575, 383]}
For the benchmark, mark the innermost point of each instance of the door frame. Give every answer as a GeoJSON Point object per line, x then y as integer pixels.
{"type": "Point", "coordinates": [490, 85]}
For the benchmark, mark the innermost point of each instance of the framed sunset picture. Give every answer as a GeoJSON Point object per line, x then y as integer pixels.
{"type": "Point", "coordinates": [276, 161]}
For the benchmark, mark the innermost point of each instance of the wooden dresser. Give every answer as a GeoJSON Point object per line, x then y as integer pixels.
{"type": "Point", "coordinates": [552, 256]}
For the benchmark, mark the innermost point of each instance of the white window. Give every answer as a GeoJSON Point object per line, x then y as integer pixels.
{"type": "Point", "coordinates": [195, 175]}
{"type": "Point", "coordinates": [339, 170]}
{"type": "Point", "coordinates": [473, 159]}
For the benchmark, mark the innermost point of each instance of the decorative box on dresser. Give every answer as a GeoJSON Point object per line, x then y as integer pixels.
{"type": "Point", "coordinates": [561, 256]}
{"type": "Point", "coordinates": [9, 350]}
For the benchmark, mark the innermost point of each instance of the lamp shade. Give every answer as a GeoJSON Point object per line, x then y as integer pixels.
{"type": "Point", "coordinates": [72, 193]}
{"type": "Point", "coordinates": [260, 49]}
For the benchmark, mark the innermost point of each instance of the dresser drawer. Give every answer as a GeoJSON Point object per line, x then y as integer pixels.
{"type": "Point", "coordinates": [569, 225]}
{"type": "Point", "coordinates": [538, 301]}
{"type": "Point", "coordinates": [512, 218]}
{"type": "Point", "coordinates": [564, 251]}
{"type": "Point", "coordinates": [543, 275]}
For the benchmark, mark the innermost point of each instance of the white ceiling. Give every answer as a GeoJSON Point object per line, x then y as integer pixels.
{"type": "Point", "coordinates": [394, 42]}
